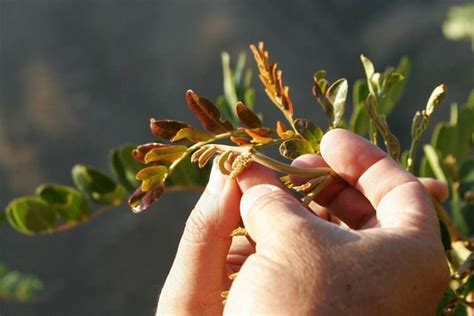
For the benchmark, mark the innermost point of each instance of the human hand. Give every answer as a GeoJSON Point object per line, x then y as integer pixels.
{"type": "Point", "coordinates": [383, 254]}
{"type": "Point", "coordinates": [303, 264]}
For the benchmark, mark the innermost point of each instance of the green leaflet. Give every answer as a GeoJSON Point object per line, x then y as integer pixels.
{"type": "Point", "coordinates": [125, 166]}
{"type": "Point", "coordinates": [98, 186]}
{"type": "Point", "coordinates": [310, 132]}
{"type": "Point", "coordinates": [69, 203]}
{"type": "Point", "coordinates": [293, 148]}
{"type": "Point", "coordinates": [31, 215]}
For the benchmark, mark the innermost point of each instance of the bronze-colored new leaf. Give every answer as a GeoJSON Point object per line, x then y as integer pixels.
{"type": "Point", "coordinates": [166, 128]}
{"type": "Point", "coordinates": [203, 155]}
{"type": "Point", "coordinates": [271, 78]}
{"type": "Point", "coordinates": [247, 117]}
{"type": "Point", "coordinates": [140, 152]}
{"type": "Point", "coordinates": [165, 154]}
{"type": "Point", "coordinates": [140, 201]}
{"type": "Point", "coordinates": [207, 113]}
{"type": "Point", "coordinates": [282, 131]}
{"type": "Point", "coordinates": [260, 135]}
{"type": "Point", "coordinates": [193, 135]}
{"type": "Point", "coordinates": [240, 141]}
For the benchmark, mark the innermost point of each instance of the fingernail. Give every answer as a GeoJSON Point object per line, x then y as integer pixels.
{"type": "Point", "coordinates": [216, 180]}
{"type": "Point", "coordinates": [252, 195]}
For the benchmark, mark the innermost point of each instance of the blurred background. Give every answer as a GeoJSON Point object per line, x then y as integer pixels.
{"type": "Point", "coordinates": [80, 77]}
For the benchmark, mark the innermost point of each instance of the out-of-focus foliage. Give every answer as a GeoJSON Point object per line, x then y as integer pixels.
{"type": "Point", "coordinates": [459, 23]}
{"type": "Point", "coordinates": [15, 286]}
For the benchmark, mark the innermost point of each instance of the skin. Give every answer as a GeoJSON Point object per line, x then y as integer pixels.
{"type": "Point", "coordinates": [370, 244]}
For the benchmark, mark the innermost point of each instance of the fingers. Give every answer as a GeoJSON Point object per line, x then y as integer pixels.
{"type": "Point", "coordinates": [199, 266]}
{"type": "Point", "coordinates": [269, 212]}
{"type": "Point", "coordinates": [436, 188]}
{"type": "Point", "coordinates": [340, 198]}
{"type": "Point", "coordinates": [239, 251]}
{"type": "Point", "coordinates": [398, 196]}
{"type": "Point", "coordinates": [256, 174]}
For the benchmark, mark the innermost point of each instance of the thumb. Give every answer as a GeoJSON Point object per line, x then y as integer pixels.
{"type": "Point", "coordinates": [269, 211]}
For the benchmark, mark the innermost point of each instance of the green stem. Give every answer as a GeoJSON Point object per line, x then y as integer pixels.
{"type": "Point", "coordinates": [287, 169]}
{"type": "Point", "coordinates": [274, 142]}
{"type": "Point", "coordinates": [70, 225]}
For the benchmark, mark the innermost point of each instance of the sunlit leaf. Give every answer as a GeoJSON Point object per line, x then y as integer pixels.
{"type": "Point", "coordinates": [359, 121]}
{"type": "Point", "coordinates": [310, 132]}
{"type": "Point", "coordinates": [125, 166]}
{"type": "Point", "coordinates": [140, 152]}
{"type": "Point", "coordinates": [394, 87]}
{"type": "Point", "coordinates": [31, 215]}
{"type": "Point", "coordinates": [282, 131]}
{"type": "Point", "coordinates": [260, 135]}
{"type": "Point", "coordinates": [98, 186]}
{"type": "Point", "coordinates": [152, 177]}
{"type": "Point", "coordinates": [437, 96]}
{"type": "Point", "coordinates": [294, 148]}
{"type": "Point", "coordinates": [166, 129]}
{"type": "Point", "coordinates": [240, 141]}
{"type": "Point", "coordinates": [337, 94]}
{"type": "Point", "coordinates": [165, 154]}
{"type": "Point", "coordinates": [229, 81]}
{"type": "Point", "coordinates": [369, 70]}
{"type": "Point", "coordinates": [271, 78]}
{"type": "Point", "coordinates": [207, 113]}
{"type": "Point", "coordinates": [69, 203]}
{"type": "Point", "coordinates": [319, 75]}
{"type": "Point", "coordinates": [454, 137]}
{"type": "Point", "coordinates": [247, 117]}
{"type": "Point", "coordinates": [434, 163]}
{"type": "Point", "coordinates": [193, 135]}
